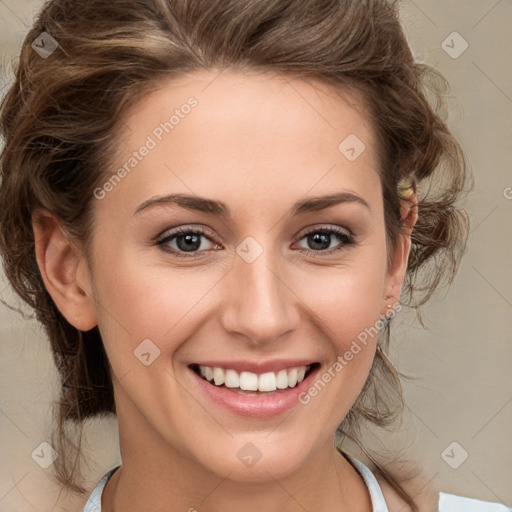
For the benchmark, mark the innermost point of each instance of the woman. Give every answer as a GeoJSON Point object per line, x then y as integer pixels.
{"type": "Point", "coordinates": [216, 208]}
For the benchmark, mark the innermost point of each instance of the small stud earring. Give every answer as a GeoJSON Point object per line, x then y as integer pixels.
{"type": "Point", "coordinates": [388, 317]}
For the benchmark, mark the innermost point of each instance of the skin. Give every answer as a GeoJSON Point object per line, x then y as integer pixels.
{"type": "Point", "coordinates": [258, 143]}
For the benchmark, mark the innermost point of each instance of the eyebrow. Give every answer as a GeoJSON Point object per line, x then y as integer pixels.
{"type": "Point", "coordinates": [214, 207]}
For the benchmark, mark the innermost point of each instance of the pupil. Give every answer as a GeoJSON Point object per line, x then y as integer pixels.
{"type": "Point", "coordinates": [192, 242]}
{"type": "Point", "coordinates": [322, 239]}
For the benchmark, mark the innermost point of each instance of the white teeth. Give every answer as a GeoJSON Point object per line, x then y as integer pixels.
{"type": "Point", "coordinates": [249, 381]}
{"type": "Point", "coordinates": [218, 376]}
{"type": "Point", "coordinates": [267, 381]}
{"type": "Point", "coordinates": [282, 379]}
{"type": "Point", "coordinates": [232, 379]}
{"type": "Point", "coordinates": [208, 373]}
{"type": "Point", "coordinates": [292, 377]}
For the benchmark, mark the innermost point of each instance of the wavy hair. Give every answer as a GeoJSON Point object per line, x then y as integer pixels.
{"type": "Point", "coordinates": [60, 121]}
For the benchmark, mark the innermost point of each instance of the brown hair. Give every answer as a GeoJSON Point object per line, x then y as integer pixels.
{"type": "Point", "coordinates": [61, 120]}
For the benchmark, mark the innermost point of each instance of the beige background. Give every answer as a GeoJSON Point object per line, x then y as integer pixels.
{"type": "Point", "coordinates": [462, 392]}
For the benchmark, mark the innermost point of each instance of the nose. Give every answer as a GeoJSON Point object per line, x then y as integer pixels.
{"type": "Point", "coordinates": [260, 304]}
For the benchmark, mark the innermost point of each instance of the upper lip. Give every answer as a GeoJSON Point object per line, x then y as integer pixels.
{"type": "Point", "coordinates": [258, 367]}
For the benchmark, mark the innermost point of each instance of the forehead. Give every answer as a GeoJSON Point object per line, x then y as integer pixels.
{"type": "Point", "coordinates": [263, 135]}
{"type": "Point", "coordinates": [265, 103]}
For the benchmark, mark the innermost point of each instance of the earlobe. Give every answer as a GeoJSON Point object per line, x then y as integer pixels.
{"type": "Point", "coordinates": [60, 263]}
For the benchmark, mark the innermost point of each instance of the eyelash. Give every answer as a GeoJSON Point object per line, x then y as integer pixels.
{"type": "Point", "coordinates": [346, 238]}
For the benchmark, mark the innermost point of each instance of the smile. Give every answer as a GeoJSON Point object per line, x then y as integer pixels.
{"type": "Point", "coordinates": [249, 381]}
{"type": "Point", "coordinates": [253, 402]}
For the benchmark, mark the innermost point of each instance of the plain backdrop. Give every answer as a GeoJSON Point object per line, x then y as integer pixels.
{"type": "Point", "coordinates": [459, 407]}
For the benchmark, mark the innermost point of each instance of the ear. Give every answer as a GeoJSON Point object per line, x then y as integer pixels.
{"type": "Point", "coordinates": [64, 271]}
{"type": "Point", "coordinates": [400, 257]}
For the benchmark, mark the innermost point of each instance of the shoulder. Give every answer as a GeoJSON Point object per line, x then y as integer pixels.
{"type": "Point", "coordinates": [429, 500]}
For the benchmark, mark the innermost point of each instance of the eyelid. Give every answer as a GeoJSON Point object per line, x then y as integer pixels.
{"type": "Point", "coordinates": [319, 227]}
{"type": "Point", "coordinates": [204, 230]}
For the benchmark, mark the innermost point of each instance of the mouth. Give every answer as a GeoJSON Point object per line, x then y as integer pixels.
{"type": "Point", "coordinates": [251, 384]}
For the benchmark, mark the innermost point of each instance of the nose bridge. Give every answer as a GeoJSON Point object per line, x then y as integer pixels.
{"type": "Point", "coordinates": [259, 304]}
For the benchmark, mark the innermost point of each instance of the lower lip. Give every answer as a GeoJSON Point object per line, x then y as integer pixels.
{"type": "Point", "coordinates": [260, 406]}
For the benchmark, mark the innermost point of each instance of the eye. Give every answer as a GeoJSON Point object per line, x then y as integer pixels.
{"type": "Point", "coordinates": [185, 240]}
{"type": "Point", "coordinates": [320, 239]}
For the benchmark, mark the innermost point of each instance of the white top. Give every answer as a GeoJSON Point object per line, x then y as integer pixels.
{"type": "Point", "coordinates": [447, 502]}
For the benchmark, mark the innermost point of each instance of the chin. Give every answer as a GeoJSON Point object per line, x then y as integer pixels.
{"type": "Point", "coordinates": [254, 462]}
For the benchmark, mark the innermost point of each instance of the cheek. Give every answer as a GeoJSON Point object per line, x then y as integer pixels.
{"type": "Point", "coordinates": [138, 302]}
{"type": "Point", "coordinates": [346, 301]}
{"type": "Point", "coordinates": [346, 305]}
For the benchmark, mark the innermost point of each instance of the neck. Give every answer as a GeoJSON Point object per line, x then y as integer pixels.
{"type": "Point", "coordinates": [158, 475]}
{"type": "Point", "coordinates": [329, 483]}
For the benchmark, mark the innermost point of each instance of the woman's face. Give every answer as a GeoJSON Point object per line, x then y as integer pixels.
{"type": "Point", "coordinates": [261, 284]}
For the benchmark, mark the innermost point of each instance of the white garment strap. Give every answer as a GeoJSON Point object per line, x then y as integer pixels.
{"type": "Point", "coordinates": [454, 503]}
{"type": "Point", "coordinates": [378, 501]}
